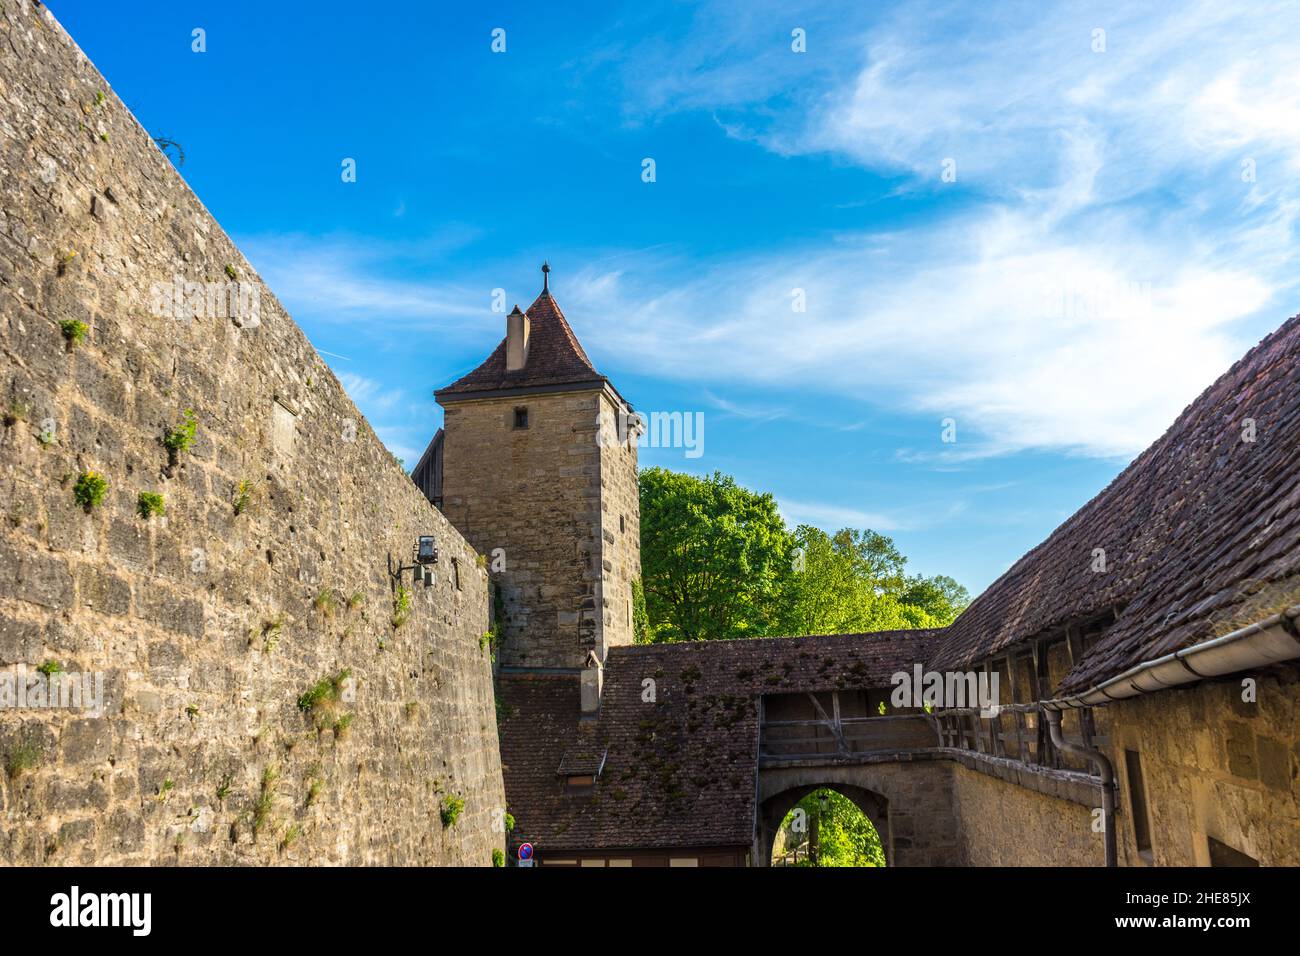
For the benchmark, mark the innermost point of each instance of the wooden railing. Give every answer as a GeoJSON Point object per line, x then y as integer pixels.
{"type": "Point", "coordinates": [846, 736]}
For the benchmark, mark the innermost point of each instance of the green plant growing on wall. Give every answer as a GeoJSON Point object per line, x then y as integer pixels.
{"type": "Point", "coordinates": [150, 503]}
{"type": "Point", "coordinates": [290, 836]}
{"type": "Point", "coordinates": [401, 606]}
{"type": "Point", "coordinates": [355, 600]}
{"type": "Point", "coordinates": [498, 858]}
{"type": "Point", "coordinates": [342, 724]}
{"type": "Point", "coordinates": [181, 438]}
{"type": "Point", "coordinates": [321, 702]}
{"type": "Point", "coordinates": [270, 633]}
{"type": "Point", "coordinates": [90, 489]}
{"type": "Point", "coordinates": [230, 271]}
{"type": "Point", "coordinates": [265, 802]}
{"type": "Point", "coordinates": [17, 412]}
{"type": "Point", "coordinates": [325, 690]}
{"type": "Point", "coordinates": [192, 711]}
{"type": "Point", "coordinates": [223, 789]}
{"type": "Point", "coordinates": [504, 710]}
{"type": "Point", "coordinates": [167, 787]}
{"type": "Point", "coordinates": [325, 602]}
{"type": "Point", "coordinates": [51, 668]}
{"type": "Point", "coordinates": [315, 785]}
{"type": "Point", "coordinates": [450, 810]}
{"type": "Point", "coordinates": [243, 496]}
{"type": "Point", "coordinates": [22, 756]}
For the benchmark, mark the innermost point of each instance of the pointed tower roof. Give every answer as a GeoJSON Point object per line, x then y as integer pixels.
{"type": "Point", "coordinates": [555, 358]}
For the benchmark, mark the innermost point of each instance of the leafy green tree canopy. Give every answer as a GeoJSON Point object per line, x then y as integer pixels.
{"type": "Point", "coordinates": [718, 562]}
{"type": "Point", "coordinates": [713, 556]}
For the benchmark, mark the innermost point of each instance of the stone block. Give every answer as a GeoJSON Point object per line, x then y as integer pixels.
{"type": "Point", "coordinates": [105, 592]}
{"type": "Point", "coordinates": [20, 642]}
{"type": "Point", "coordinates": [89, 740]}
{"type": "Point", "coordinates": [1241, 751]}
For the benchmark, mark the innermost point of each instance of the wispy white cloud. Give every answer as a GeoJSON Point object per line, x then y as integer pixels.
{"type": "Point", "coordinates": [370, 396]}
{"type": "Point", "coordinates": [398, 441]}
{"type": "Point", "coordinates": [357, 280]}
{"type": "Point", "coordinates": [1107, 258]}
{"type": "Point", "coordinates": [1102, 257]}
{"type": "Point", "coordinates": [825, 515]}
{"type": "Point", "coordinates": [1090, 343]}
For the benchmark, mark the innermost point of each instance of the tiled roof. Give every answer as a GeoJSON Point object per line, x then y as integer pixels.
{"type": "Point", "coordinates": [555, 357]}
{"type": "Point", "coordinates": [1195, 522]}
{"type": "Point", "coordinates": [679, 770]}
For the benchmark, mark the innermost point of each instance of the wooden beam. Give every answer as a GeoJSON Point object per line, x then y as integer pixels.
{"type": "Point", "coordinates": [1050, 756]}
{"type": "Point", "coordinates": [1013, 665]}
{"type": "Point", "coordinates": [834, 725]}
{"type": "Point", "coordinates": [995, 722]}
{"type": "Point", "coordinates": [1074, 643]}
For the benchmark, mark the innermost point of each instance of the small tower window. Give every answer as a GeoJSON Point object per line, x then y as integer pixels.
{"type": "Point", "coordinates": [521, 416]}
{"type": "Point", "coordinates": [622, 524]}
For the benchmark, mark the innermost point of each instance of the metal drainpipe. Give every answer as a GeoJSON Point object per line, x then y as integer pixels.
{"type": "Point", "coordinates": [1107, 779]}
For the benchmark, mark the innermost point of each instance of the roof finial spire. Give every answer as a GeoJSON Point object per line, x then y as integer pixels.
{"type": "Point", "coordinates": [545, 280]}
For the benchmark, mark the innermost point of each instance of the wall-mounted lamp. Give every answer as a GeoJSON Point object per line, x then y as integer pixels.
{"type": "Point", "coordinates": [424, 554]}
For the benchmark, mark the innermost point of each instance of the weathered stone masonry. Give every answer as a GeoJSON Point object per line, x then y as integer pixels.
{"type": "Point", "coordinates": [211, 621]}
{"type": "Point", "coordinates": [533, 493]}
{"type": "Point", "coordinates": [539, 471]}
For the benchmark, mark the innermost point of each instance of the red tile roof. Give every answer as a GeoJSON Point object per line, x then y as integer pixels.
{"type": "Point", "coordinates": [555, 357]}
{"type": "Point", "coordinates": [1195, 523]}
{"type": "Point", "coordinates": [680, 770]}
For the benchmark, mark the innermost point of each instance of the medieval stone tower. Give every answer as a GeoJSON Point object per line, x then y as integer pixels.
{"type": "Point", "coordinates": [537, 468]}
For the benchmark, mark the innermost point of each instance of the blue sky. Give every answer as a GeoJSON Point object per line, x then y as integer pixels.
{"type": "Point", "coordinates": [1118, 230]}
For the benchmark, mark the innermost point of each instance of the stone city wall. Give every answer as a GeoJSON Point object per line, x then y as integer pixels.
{"type": "Point", "coordinates": [259, 703]}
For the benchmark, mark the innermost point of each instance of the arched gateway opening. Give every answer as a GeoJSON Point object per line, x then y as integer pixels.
{"type": "Point", "coordinates": [824, 825]}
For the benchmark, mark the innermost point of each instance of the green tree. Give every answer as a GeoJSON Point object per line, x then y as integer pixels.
{"type": "Point", "coordinates": [854, 581]}
{"type": "Point", "coordinates": [832, 832]}
{"type": "Point", "coordinates": [642, 632]}
{"type": "Point", "coordinates": [718, 562]}
{"type": "Point", "coordinates": [940, 597]}
{"type": "Point", "coordinates": [713, 557]}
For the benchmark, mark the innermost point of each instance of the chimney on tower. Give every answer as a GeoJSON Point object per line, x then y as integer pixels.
{"type": "Point", "coordinates": [516, 340]}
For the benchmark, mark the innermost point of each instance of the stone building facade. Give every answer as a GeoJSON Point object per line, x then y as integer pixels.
{"type": "Point", "coordinates": [539, 473]}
